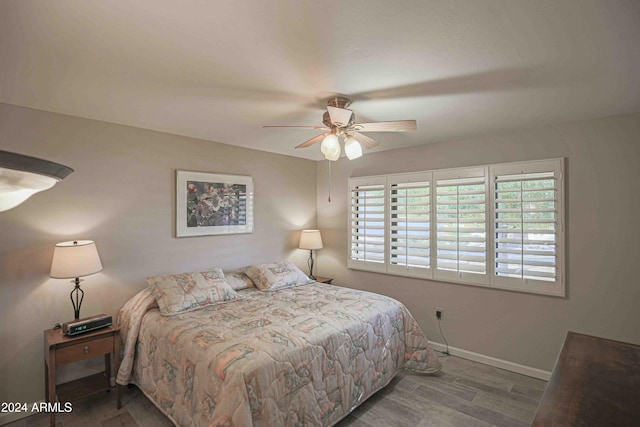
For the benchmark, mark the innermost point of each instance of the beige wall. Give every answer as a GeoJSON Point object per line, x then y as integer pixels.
{"type": "Point", "coordinates": [603, 231]}
{"type": "Point", "coordinates": [122, 196]}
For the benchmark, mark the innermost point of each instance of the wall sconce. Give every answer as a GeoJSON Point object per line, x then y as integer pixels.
{"type": "Point", "coordinates": [22, 176]}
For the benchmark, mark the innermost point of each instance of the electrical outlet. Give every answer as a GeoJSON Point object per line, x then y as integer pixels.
{"type": "Point", "coordinates": [438, 313]}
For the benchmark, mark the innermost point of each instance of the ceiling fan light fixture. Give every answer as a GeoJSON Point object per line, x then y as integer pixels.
{"type": "Point", "coordinates": [333, 155]}
{"type": "Point", "coordinates": [331, 147]}
{"type": "Point", "coordinates": [352, 147]}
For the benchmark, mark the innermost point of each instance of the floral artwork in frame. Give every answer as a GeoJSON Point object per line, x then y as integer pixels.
{"type": "Point", "coordinates": [208, 203]}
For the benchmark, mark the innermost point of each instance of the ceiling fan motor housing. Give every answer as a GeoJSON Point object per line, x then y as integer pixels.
{"type": "Point", "coordinates": [337, 102]}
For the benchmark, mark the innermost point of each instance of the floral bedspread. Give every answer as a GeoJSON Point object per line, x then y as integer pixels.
{"type": "Point", "coordinates": [296, 356]}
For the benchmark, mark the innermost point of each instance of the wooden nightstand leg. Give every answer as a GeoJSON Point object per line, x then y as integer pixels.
{"type": "Point", "coordinates": [107, 369]}
{"type": "Point", "coordinates": [51, 384]}
{"type": "Point", "coordinates": [46, 382]}
{"type": "Point", "coordinates": [116, 366]}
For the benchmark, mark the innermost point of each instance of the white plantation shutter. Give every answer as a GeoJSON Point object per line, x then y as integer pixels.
{"type": "Point", "coordinates": [367, 223]}
{"type": "Point", "coordinates": [528, 226]}
{"type": "Point", "coordinates": [499, 226]}
{"type": "Point", "coordinates": [409, 219]}
{"type": "Point", "coordinates": [461, 225]}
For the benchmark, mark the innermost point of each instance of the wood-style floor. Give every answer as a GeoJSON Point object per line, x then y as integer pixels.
{"type": "Point", "coordinates": [465, 394]}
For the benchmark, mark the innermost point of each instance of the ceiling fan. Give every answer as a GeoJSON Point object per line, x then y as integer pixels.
{"type": "Point", "coordinates": [340, 122]}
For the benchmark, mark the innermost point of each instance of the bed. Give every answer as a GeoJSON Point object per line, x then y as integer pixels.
{"type": "Point", "coordinates": [298, 355]}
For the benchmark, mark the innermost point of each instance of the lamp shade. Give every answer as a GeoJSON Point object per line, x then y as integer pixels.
{"type": "Point", "coordinates": [310, 239]}
{"type": "Point", "coordinates": [75, 259]}
{"type": "Point", "coordinates": [22, 176]}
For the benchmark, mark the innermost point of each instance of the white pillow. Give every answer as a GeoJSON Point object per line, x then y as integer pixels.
{"type": "Point", "coordinates": [181, 293]}
{"type": "Point", "coordinates": [276, 275]}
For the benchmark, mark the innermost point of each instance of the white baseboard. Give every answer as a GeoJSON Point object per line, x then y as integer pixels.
{"type": "Point", "coordinates": [492, 361]}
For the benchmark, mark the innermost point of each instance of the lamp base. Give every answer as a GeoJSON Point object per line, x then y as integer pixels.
{"type": "Point", "coordinates": [79, 294]}
{"type": "Point", "coordinates": [310, 263]}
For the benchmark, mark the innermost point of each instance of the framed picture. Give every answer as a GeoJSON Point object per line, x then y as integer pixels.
{"type": "Point", "coordinates": [208, 203]}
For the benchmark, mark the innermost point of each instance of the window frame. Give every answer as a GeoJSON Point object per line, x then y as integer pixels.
{"type": "Point", "coordinates": [489, 279]}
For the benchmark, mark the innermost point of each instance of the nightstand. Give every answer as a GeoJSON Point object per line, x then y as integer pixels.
{"type": "Point", "coordinates": [60, 349]}
{"type": "Point", "coordinates": [324, 280]}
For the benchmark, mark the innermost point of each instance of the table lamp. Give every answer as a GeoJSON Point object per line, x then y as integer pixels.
{"type": "Point", "coordinates": [310, 239]}
{"type": "Point", "coordinates": [72, 260]}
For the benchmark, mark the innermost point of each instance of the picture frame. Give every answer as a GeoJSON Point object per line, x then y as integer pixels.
{"type": "Point", "coordinates": [213, 204]}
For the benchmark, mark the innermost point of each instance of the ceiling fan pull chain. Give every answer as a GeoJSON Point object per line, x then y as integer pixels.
{"type": "Point", "coordinates": [329, 180]}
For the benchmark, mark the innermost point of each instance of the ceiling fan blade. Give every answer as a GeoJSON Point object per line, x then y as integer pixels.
{"type": "Point", "coordinates": [299, 127]}
{"type": "Point", "coordinates": [365, 140]}
{"type": "Point", "coordinates": [339, 116]}
{"type": "Point", "coordinates": [313, 140]}
{"type": "Point", "coordinates": [395, 126]}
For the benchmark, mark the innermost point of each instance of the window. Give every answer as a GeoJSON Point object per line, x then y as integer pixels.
{"type": "Point", "coordinates": [528, 225]}
{"type": "Point", "coordinates": [367, 224]}
{"type": "Point", "coordinates": [410, 224]}
{"type": "Point", "coordinates": [461, 223]}
{"type": "Point", "coordinates": [499, 226]}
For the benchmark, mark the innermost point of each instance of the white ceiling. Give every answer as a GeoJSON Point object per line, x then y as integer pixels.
{"type": "Point", "coordinates": [220, 70]}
